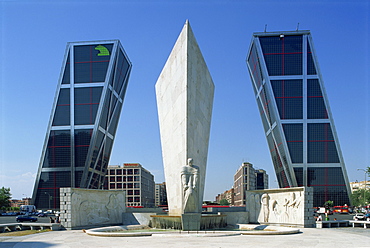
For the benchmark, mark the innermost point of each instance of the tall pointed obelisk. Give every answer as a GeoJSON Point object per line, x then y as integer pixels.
{"type": "Point", "coordinates": [184, 93]}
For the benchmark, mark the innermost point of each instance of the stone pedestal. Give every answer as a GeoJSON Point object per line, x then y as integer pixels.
{"type": "Point", "coordinates": [190, 221]}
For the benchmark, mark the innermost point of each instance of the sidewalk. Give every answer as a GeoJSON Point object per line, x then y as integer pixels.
{"type": "Point", "coordinates": [309, 237]}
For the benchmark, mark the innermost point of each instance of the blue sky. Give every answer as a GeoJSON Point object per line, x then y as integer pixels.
{"type": "Point", "coordinates": [33, 37]}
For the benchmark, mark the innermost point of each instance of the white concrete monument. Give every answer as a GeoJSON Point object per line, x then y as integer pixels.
{"type": "Point", "coordinates": [184, 93]}
{"type": "Point", "coordinates": [290, 206]}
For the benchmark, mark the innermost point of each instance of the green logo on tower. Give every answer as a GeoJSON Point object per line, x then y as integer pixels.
{"type": "Point", "coordinates": [103, 51]}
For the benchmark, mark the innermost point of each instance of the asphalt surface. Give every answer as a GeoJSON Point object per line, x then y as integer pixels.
{"type": "Point", "coordinates": [11, 219]}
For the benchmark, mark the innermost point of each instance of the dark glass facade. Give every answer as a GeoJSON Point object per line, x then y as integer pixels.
{"type": "Point", "coordinates": [296, 116]}
{"type": "Point", "coordinates": [84, 120]}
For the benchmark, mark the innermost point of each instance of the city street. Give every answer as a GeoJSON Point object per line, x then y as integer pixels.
{"type": "Point", "coordinates": [11, 219]}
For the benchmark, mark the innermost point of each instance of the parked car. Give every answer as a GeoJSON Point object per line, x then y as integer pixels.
{"type": "Point", "coordinates": [22, 218]}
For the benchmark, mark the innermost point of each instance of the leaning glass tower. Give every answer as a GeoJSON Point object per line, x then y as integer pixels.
{"type": "Point", "coordinates": [296, 116]}
{"type": "Point", "coordinates": [83, 121]}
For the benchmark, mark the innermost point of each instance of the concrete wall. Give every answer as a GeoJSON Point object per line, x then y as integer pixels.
{"type": "Point", "coordinates": [292, 206]}
{"type": "Point", "coordinates": [87, 207]}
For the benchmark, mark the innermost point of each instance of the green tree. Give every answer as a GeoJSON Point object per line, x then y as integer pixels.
{"type": "Point", "coordinates": [224, 202]}
{"type": "Point", "coordinates": [360, 197]}
{"type": "Point", "coordinates": [5, 197]}
{"type": "Point", "coordinates": [328, 204]}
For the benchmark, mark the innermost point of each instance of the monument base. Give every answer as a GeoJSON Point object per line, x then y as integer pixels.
{"type": "Point", "coordinates": [190, 221]}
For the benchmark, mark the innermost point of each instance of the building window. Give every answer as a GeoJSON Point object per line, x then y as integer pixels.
{"type": "Point", "coordinates": [315, 102]}
{"type": "Point", "coordinates": [58, 151]}
{"type": "Point", "coordinates": [311, 69]}
{"type": "Point", "coordinates": [90, 64]}
{"type": "Point", "coordinates": [283, 55]}
{"type": "Point", "coordinates": [62, 111]}
{"type": "Point", "coordinates": [321, 144]}
{"type": "Point", "coordinates": [294, 137]}
{"type": "Point", "coordinates": [86, 104]}
{"type": "Point", "coordinates": [289, 98]}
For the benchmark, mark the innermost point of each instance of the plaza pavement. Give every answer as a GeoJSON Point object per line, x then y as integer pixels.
{"type": "Point", "coordinates": [309, 237]}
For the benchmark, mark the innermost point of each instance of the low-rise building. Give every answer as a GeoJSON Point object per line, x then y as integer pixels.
{"type": "Point", "coordinates": [359, 185]}
{"type": "Point", "coordinates": [228, 195]}
{"type": "Point", "coordinates": [135, 180]}
{"type": "Point", "coordinates": [245, 178]}
{"type": "Point", "coordinates": [18, 203]}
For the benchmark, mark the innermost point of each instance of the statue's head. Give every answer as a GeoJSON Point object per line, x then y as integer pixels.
{"type": "Point", "coordinates": [190, 161]}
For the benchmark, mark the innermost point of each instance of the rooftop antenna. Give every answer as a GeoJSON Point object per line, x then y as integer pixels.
{"type": "Point", "coordinates": [297, 26]}
{"type": "Point", "coordinates": [265, 27]}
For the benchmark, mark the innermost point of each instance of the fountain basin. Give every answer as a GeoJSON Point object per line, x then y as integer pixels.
{"type": "Point", "coordinates": [207, 222]}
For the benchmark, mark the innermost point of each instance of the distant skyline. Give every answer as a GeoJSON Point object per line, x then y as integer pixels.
{"type": "Point", "coordinates": [33, 39]}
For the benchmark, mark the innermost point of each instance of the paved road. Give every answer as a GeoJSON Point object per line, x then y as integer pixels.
{"type": "Point", "coordinates": [11, 219]}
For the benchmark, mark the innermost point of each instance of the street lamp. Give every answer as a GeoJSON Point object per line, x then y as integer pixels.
{"type": "Point", "coordinates": [49, 197]}
{"type": "Point", "coordinates": [364, 182]}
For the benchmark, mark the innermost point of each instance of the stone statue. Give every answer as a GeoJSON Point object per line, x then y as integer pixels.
{"type": "Point", "coordinates": [265, 198]}
{"type": "Point", "coordinates": [189, 181]}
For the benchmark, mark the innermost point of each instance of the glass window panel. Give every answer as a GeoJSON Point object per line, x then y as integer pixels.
{"type": "Point", "coordinates": [299, 176]}
{"type": "Point", "coordinates": [315, 102]}
{"type": "Point", "coordinates": [328, 184]}
{"type": "Point", "coordinates": [311, 69]}
{"type": "Point", "coordinates": [67, 71]}
{"type": "Point", "coordinates": [255, 67]}
{"type": "Point", "coordinates": [78, 177]}
{"type": "Point", "coordinates": [121, 72]}
{"type": "Point", "coordinates": [292, 64]}
{"type": "Point", "coordinates": [114, 120]}
{"type": "Point", "coordinates": [86, 104]}
{"type": "Point", "coordinates": [294, 137]}
{"type": "Point", "coordinates": [82, 144]}
{"type": "Point", "coordinates": [62, 111]}
{"type": "Point", "coordinates": [288, 95]}
{"type": "Point", "coordinates": [58, 151]}
{"type": "Point", "coordinates": [91, 62]}
{"type": "Point", "coordinates": [321, 145]}
{"type": "Point", "coordinates": [55, 180]}
{"type": "Point", "coordinates": [283, 55]}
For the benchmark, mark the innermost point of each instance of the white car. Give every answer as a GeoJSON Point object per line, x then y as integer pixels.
{"type": "Point", "coordinates": [359, 216]}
